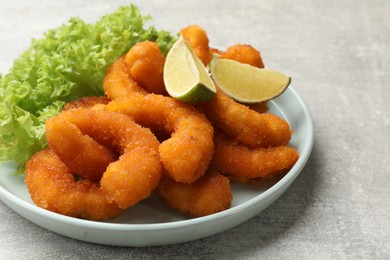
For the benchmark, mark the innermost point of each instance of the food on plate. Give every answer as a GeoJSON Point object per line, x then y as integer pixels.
{"type": "Point", "coordinates": [244, 53]}
{"type": "Point", "coordinates": [185, 76]}
{"type": "Point", "coordinates": [198, 40]}
{"type": "Point", "coordinates": [52, 186]}
{"type": "Point", "coordinates": [145, 63]}
{"type": "Point", "coordinates": [129, 111]}
{"type": "Point", "coordinates": [237, 160]}
{"type": "Point", "coordinates": [208, 195]}
{"type": "Point", "coordinates": [186, 154]}
{"type": "Point", "coordinates": [244, 124]}
{"type": "Point", "coordinates": [137, 171]}
{"type": "Point", "coordinates": [260, 84]}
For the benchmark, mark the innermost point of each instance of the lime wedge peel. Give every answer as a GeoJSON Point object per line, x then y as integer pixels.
{"type": "Point", "coordinates": [248, 84]}
{"type": "Point", "coordinates": [185, 76]}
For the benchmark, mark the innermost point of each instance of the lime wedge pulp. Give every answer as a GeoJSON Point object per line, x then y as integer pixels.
{"type": "Point", "coordinates": [248, 84]}
{"type": "Point", "coordinates": [185, 76]}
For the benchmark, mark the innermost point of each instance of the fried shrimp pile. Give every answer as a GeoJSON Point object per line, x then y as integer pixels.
{"type": "Point", "coordinates": [186, 154]}
{"type": "Point", "coordinates": [85, 142]}
{"type": "Point", "coordinates": [104, 156]}
{"type": "Point", "coordinates": [250, 145]}
{"type": "Point", "coordinates": [125, 181]}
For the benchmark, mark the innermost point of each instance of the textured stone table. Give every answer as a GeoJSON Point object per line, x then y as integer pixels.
{"type": "Point", "coordinates": [338, 55]}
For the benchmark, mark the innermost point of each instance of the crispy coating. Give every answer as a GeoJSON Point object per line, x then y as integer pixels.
{"type": "Point", "coordinates": [245, 54]}
{"type": "Point", "coordinates": [145, 63]}
{"type": "Point", "coordinates": [186, 154]}
{"type": "Point", "coordinates": [197, 38]}
{"type": "Point", "coordinates": [82, 154]}
{"type": "Point", "coordinates": [244, 124]}
{"type": "Point", "coordinates": [117, 81]}
{"type": "Point", "coordinates": [53, 187]}
{"type": "Point", "coordinates": [208, 195]}
{"type": "Point", "coordinates": [136, 173]}
{"type": "Point", "coordinates": [86, 102]}
{"type": "Point", "coordinates": [240, 161]}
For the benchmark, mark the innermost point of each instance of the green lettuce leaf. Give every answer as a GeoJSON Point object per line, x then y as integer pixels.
{"type": "Point", "coordinates": [66, 63]}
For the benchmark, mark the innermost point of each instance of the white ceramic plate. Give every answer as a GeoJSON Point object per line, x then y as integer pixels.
{"type": "Point", "coordinates": [150, 222]}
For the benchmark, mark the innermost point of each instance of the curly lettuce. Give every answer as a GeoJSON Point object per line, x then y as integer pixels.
{"type": "Point", "coordinates": [66, 63]}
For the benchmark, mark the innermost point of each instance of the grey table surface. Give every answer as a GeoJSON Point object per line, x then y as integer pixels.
{"type": "Point", "coordinates": [337, 52]}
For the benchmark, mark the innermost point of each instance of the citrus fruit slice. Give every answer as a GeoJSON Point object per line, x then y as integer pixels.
{"type": "Point", "coordinates": [248, 84]}
{"type": "Point", "coordinates": [185, 76]}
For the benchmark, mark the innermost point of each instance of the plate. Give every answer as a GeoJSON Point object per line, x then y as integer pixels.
{"type": "Point", "coordinates": [151, 223]}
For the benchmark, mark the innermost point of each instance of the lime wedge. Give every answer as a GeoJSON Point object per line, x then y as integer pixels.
{"type": "Point", "coordinates": [248, 84]}
{"type": "Point", "coordinates": [185, 76]}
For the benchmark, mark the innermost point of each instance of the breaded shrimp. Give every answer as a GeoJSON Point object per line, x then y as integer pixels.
{"type": "Point", "coordinates": [145, 63]}
{"type": "Point", "coordinates": [117, 81]}
{"type": "Point", "coordinates": [197, 38]}
{"type": "Point", "coordinates": [52, 186]}
{"type": "Point", "coordinates": [137, 171]}
{"type": "Point", "coordinates": [237, 160]}
{"type": "Point", "coordinates": [244, 124]}
{"type": "Point", "coordinates": [81, 153]}
{"type": "Point", "coordinates": [208, 195]}
{"type": "Point", "coordinates": [245, 54]}
{"type": "Point", "coordinates": [186, 154]}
